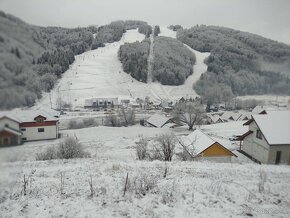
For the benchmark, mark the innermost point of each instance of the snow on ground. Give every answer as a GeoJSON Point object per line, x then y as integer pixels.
{"type": "Point", "coordinates": [202, 189]}
{"type": "Point", "coordinates": [165, 31]}
{"type": "Point", "coordinates": [269, 99]}
{"type": "Point", "coordinates": [99, 73]}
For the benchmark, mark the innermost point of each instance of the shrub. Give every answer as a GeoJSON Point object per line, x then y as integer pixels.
{"type": "Point", "coordinates": [48, 154]}
{"type": "Point", "coordinates": [142, 148]}
{"type": "Point", "coordinates": [69, 148]}
{"type": "Point", "coordinates": [143, 184]}
{"type": "Point", "coordinates": [89, 122]}
{"type": "Point", "coordinates": [164, 148]}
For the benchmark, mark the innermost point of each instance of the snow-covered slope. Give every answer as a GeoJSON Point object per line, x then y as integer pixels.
{"type": "Point", "coordinates": [99, 73]}
{"type": "Point", "coordinates": [202, 189]}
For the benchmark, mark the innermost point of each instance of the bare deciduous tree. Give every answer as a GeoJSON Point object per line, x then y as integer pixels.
{"type": "Point", "coordinates": [127, 117]}
{"type": "Point", "coordinates": [112, 120]}
{"type": "Point", "coordinates": [165, 147]}
{"type": "Point", "coordinates": [191, 113]}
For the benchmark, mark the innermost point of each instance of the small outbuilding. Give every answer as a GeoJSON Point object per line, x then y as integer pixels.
{"type": "Point", "coordinates": [204, 147]}
{"type": "Point", "coordinates": [159, 121]}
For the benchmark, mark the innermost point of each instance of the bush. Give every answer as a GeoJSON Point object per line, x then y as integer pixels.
{"type": "Point", "coordinates": [142, 148]}
{"type": "Point", "coordinates": [143, 184]}
{"type": "Point", "coordinates": [48, 154]}
{"type": "Point", "coordinates": [89, 122]}
{"type": "Point", "coordinates": [69, 148]}
{"type": "Point", "coordinates": [72, 124]}
{"type": "Point", "coordinates": [164, 148]}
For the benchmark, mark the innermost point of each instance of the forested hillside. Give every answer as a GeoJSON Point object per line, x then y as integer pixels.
{"type": "Point", "coordinates": [33, 58]}
{"type": "Point", "coordinates": [172, 64]}
{"type": "Point", "coordinates": [240, 62]}
{"type": "Point", "coordinates": [134, 59]}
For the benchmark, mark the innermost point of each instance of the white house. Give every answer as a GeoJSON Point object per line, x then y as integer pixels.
{"type": "Point", "coordinates": [37, 125]}
{"type": "Point", "coordinates": [268, 138]}
{"type": "Point", "coordinates": [27, 125]}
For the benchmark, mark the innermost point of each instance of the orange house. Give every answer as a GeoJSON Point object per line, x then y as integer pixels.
{"type": "Point", "coordinates": [204, 147]}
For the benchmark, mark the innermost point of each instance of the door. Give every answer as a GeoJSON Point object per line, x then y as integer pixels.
{"type": "Point", "coordinates": [278, 157]}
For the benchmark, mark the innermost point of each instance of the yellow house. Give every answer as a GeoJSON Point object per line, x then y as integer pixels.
{"type": "Point", "coordinates": [205, 148]}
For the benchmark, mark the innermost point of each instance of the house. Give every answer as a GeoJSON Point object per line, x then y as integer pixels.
{"type": "Point", "coordinates": [10, 133]}
{"type": "Point", "coordinates": [27, 125]}
{"type": "Point", "coordinates": [37, 125]}
{"type": "Point", "coordinates": [230, 116]}
{"type": "Point", "coordinates": [268, 137]}
{"type": "Point", "coordinates": [214, 118]}
{"type": "Point", "coordinates": [204, 147]}
{"type": "Point", "coordinates": [101, 103]}
{"type": "Point", "coordinates": [244, 117]}
{"type": "Point", "coordinates": [160, 121]}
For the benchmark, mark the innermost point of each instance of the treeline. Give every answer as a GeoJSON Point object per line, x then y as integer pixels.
{"type": "Point", "coordinates": [133, 57]}
{"type": "Point", "coordinates": [172, 63]}
{"type": "Point", "coordinates": [33, 58]}
{"type": "Point", "coordinates": [240, 62]}
{"type": "Point", "coordinates": [156, 31]}
{"type": "Point", "coordinates": [145, 29]}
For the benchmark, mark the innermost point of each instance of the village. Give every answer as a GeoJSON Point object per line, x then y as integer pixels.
{"type": "Point", "coordinates": [260, 134]}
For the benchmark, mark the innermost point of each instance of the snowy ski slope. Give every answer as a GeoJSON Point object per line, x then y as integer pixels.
{"type": "Point", "coordinates": [99, 73]}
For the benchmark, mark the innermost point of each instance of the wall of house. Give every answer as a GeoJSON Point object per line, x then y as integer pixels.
{"type": "Point", "coordinates": [31, 133]}
{"type": "Point", "coordinates": [216, 150]}
{"type": "Point", "coordinates": [12, 139]}
{"type": "Point", "coordinates": [221, 159]}
{"type": "Point", "coordinates": [257, 148]}
{"type": "Point", "coordinates": [11, 123]}
{"type": "Point", "coordinates": [285, 154]}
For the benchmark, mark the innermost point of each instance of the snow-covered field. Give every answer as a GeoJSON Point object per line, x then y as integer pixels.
{"type": "Point", "coordinates": [99, 73]}
{"type": "Point", "coordinates": [269, 99]}
{"type": "Point", "coordinates": [199, 189]}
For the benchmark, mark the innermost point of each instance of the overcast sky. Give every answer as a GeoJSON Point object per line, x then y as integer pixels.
{"type": "Point", "coordinates": [269, 18]}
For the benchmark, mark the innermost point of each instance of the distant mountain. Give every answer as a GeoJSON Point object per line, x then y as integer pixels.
{"type": "Point", "coordinates": [240, 63]}
{"type": "Point", "coordinates": [33, 58]}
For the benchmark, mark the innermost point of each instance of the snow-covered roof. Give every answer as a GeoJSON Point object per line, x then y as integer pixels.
{"type": "Point", "coordinates": [275, 126]}
{"type": "Point", "coordinates": [23, 116]}
{"type": "Point", "coordinates": [200, 141]}
{"type": "Point", "coordinates": [215, 118]}
{"type": "Point", "coordinates": [9, 115]}
{"type": "Point", "coordinates": [229, 115]}
{"type": "Point", "coordinates": [13, 131]}
{"type": "Point", "coordinates": [258, 109]}
{"type": "Point", "coordinates": [158, 120]}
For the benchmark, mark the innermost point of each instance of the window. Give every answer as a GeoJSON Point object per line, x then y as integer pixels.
{"type": "Point", "coordinates": [259, 134]}
{"type": "Point", "coordinates": [23, 129]}
{"type": "Point", "coordinates": [40, 129]}
{"type": "Point", "coordinates": [6, 125]}
{"type": "Point", "coordinates": [24, 139]}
